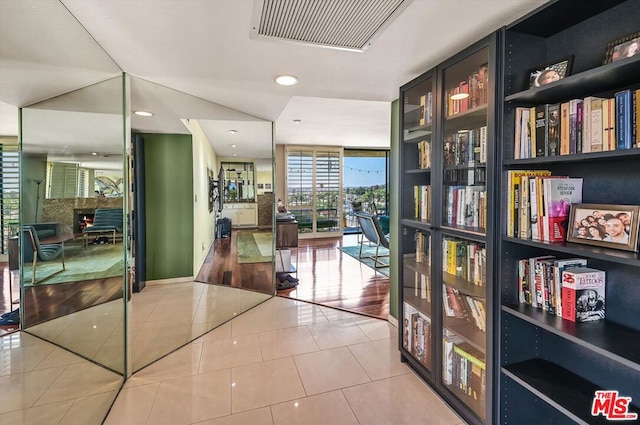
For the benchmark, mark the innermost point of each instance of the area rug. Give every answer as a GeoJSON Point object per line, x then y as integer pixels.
{"type": "Point", "coordinates": [354, 251]}
{"type": "Point", "coordinates": [254, 247]}
{"type": "Point", "coordinates": [92, 262]}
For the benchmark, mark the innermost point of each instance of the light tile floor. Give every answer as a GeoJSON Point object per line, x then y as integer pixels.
{"type": "Point", "coordinates": [284, 362]}
{"type": "Point", "coordinates": [42, 384]}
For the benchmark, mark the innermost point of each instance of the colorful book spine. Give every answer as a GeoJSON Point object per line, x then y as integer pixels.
{"type": "Point", "coordinates": [623, 119]}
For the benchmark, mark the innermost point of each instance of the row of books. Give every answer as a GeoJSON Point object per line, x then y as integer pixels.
{"type": "Point", "coordinates": [539, 204]}
{"type": "Point", "coordinates": [466, 147]}
{"type": "Point", "coordinates": [465, 176]}
{"type": "Point", "coordinates": [470, 93]}
{"type": "Point", "coordinates": [466, 206]}
{"type": "Point", "coordinates": [424, 155]}
{"type": "Point", "coordinates": [566, 288]}
{"type": "Point", "coordinates": [423, 247]}
{"type": "Point", "coordinates": [591, 124]}
{"type": "Point", "coordinates": [422, 286]}
{"type": "Point", "coordinates": [464, 367]}
{"type": "Point", "coordinates": [465, 259]}
{"type": "Point", "coordinates": [461, 306]}
{"type": "Point", "coordinates": [422, 202]}
{"type": "Point", "coordinates": [417, 334]}
{"type": "Point", "coordinates": [426, 109]}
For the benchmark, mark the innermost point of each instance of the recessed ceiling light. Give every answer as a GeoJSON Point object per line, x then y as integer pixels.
{"type": "Point", "coordinates": [459, 96]}
{"type": "Point", "coordinates": [143, 113]}
{"type": "Point", "coordinates": [94, 153]}
{"type": "Point", "coordinates": [296, 121]}
{"type": "Point", "coordinates": [235, 154]}
{"type": "Point", "coordinates": [233, 131]}
{"type": "Point", "coordinates": [233, 146]}
{"type": "Point", "coordinates": [286, 80]}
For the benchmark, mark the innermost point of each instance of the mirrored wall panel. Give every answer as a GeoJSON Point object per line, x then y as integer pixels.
{"type": "Point", "coordinates": [191, 276]}
{"type": "Point", "coordinates": [72, 242]}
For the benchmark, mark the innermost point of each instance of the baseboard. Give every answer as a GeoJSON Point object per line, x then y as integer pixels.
{"type": "Point", "coordinates": [171, 280]}
{"type": "Point", "coordinates": [392, 320]}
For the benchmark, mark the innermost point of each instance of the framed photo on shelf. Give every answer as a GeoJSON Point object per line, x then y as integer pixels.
{"type": "Point", "coordinates": [623, 47]}
{"type": "Point", "coordinates": [611, 226]}
{"type": "Point", "coordinates": [550, 73]}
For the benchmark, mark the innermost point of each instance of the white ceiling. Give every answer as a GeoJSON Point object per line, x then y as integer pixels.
{"type": "Point", "coordinates": [204, 48]}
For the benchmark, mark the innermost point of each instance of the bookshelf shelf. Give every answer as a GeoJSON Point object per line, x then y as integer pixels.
{"type": "Point", "coordinates": [600, 253]}
{"type": "Point", "coordinates": [468, 332]}
{"type": "Point", "coordinates": [466, 287]}
{"type": "Point", "coordinates": [418, 224]}
{"type": "Point", "coordinates": [600, 79]}
{"type": "Point", "coordinates": [472, 233]}
{"type": "Point", "coordinates": [418, 171]}
{"type": "Point", "coordinates": [552, 366]}
{"type": "Point", "coordinates": [578, 157]}
{"type": "Point", "coordinates": [559, 387]}
{"type": "Point", "coordinates": [617, 342]}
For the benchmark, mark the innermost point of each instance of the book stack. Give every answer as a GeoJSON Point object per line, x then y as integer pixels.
{"type": "Point", "coordinates": [465, 260]}
{"type": "Point", "coordinates": [465, 307]}
{"type": "Point", "coordinates": [466, 206]}
{"type": "Point", "coordinates": [466, 147]}
{"type": "Point", "coordinates": [417, 334]}
{"type": "Point", "coordinates": [422, 202]}
{"type": "Point", "coordinates": [542, 283]}
{"type": "Point", "coordinates": [424, 155]}
{"type": "Point", "coordinates": [470, 93]}
{"type": "Point", "coordinates": [464, 367]}
{"type": "Point", "coordinates": [583, 125]}
{"type": "Point", "coordinates": [539, 204]}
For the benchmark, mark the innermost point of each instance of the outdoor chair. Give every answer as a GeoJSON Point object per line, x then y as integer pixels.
{"type": "Point", "coordinates": [33, 250]}
{"type": "Point", "coordinates": [372, 231]}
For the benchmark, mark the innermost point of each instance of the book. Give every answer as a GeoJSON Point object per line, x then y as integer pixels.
{"type": "Point", "coordinates": [553, 129]}
{"type": "Point", "coordinates": [583, 294]}
{"type": "Point", "coordinates": [587, 133]}
{"type": "Point", "coordinates": [558, 267]}
{"type": "Point", "coordinates": [559, 194]}
{"type": "Point", "coordinates": [573, 125]}
{"type": "Point", "coordinates": [623, 119]}
{"type": "Point", "coordinates": [564, 128]}
{"type": "Point", "coordinates": [541, 130]}
{"type": "Point", "coordinates": [596, 124]}
{"type": "Point", "coordinates": [537, 290]}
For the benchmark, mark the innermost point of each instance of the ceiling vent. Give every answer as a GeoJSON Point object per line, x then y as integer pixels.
{"type": "Point", "coordinates": [337, 24]}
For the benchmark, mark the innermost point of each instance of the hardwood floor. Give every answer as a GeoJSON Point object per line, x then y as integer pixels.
{"type": "Point", "coordinates": [332, 278]}
{"type": "Point", "coordinates": [327, 276]}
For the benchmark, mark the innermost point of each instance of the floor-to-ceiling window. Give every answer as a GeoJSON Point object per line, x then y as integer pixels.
{"type": "Point", "coordinates": [366, 184]}
{"type": "Point", "coordinates": [314, 189]}
{"type": "Point", "coordinates": [9, 195]}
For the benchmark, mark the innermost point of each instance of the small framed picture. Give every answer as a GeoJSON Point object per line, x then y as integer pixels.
{"type": "Point", "coordinates": [260, 185]}
{"type": "Point", "coordinates": [550, 73]}
{"type": "Point", "coordinates": [611, 226]}
{"type": "Point", "coordinates": [267, 186]}
{"type": "Point", "coordinates": [623, 47]}
{"type": "Point", "coordinates": [626, 50]}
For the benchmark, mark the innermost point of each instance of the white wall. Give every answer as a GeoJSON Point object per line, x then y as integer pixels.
{"type": "Point", "coordinates": [204, 157]}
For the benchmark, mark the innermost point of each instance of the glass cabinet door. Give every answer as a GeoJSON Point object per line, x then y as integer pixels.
{"type": "Point", "coordinates": [417, 156]}
{"type": "Point", "coordinates": [464, 173]}
{"type": "Point", "coordinates": [416, 333]}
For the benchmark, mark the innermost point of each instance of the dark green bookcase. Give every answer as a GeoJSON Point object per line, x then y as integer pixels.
{"type": "Point", "coordinates": [548, 368]}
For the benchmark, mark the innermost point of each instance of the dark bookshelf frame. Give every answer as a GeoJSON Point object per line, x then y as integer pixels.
{"type": "Point", "coordinates": [482, 340]}
{"type": "Point", "coordinates": [535, 348]}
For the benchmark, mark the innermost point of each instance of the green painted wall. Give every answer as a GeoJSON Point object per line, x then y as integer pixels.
{"type": "Point", "coordinates": [169, 204]}
{"type": "Point", "coordinates": [394, 225]}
